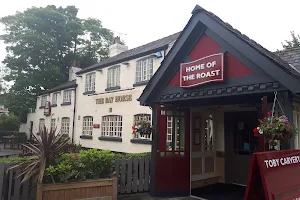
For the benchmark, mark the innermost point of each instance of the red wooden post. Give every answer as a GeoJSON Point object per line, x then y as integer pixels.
{"type": "Point", "coordinates": [263, 144]}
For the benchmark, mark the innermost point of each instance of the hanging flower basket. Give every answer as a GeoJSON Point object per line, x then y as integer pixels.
{"type": "Point", "coordinates": [143, 128]}
{"type": "Point", "coordinates": [275, 128]}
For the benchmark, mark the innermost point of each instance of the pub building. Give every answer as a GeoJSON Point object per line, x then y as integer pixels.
{"type": "Point", "coordinates": [206, 99]}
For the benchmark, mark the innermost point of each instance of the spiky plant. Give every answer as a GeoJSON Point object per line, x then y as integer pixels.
{"type": "Point", "coordinates": [46, 147]}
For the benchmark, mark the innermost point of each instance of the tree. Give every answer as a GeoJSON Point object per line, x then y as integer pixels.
{"type": "Point", "coordinates": [295, 42]}
{"type": "Point", "coordinates": [41, 45]}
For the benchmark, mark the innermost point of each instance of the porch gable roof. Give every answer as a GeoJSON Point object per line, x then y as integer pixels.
{"type": "Point", "coordinates": [281, 71]}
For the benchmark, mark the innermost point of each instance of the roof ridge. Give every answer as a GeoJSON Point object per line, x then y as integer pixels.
{"type": "Point", "coordinates": [150, 46]}
{"type": "Point", "coordinates": [271, 55]}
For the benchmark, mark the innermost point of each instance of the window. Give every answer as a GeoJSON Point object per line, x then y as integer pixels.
{"type": "Point", "coordinates": [296, 122]}
{"type": "Point", "coordinates": [67, 96]}
{"type": "Point", "coordinates": [52, 124]}
{"type": "Point", "coordinates": [142, 117]}
{"type": "Point", "coordinates": [54, 98]}
{"type": "Point", "coordinates": [87, 127]}
{"type": "Point", "coordinates": [90, 82]}
{"type": "Point", "coordinates": [113, 77]}
{"type": "Point", "coordinates": [175, 131]}
{"type": "Point", "coordinates": [112, 126]}
{"type": "Point", "coordinates": [41, 124]}
{"type": "Point", "coordinates": [43, 100]}
{"type": "Point", "coordinates": [65, 125]}
{"type": "Point", "coordinates": [144, 70]}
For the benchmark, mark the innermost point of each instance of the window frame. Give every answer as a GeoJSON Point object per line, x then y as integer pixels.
{"type": "Point", "coordinates": [84, 125]}
{"type": "Point", "coordinates": [143, 72]}
{"type": "Point", "coordinates": [296, 122]}
{"type": "Point", "coordinates": [43, 100]}
{"type": "Point", "coordinates": [54, 95]}
{"type": "Point", "coordinates": [112, 131]}
{"type": "Point", "coordinates": [69, 97]}
{"type": "Point", "coordinates": [40, 124]}
{"type": "Point", "coordinates": [113, 76]}
{"type": "Point", "coordinates": [146, 115]}
{"type": "Point", "coordinates": [63, 125]}
{"type": "Point", "coordinates": [90, 82]}
{"type": "Point", "coordinates": [52, 125]}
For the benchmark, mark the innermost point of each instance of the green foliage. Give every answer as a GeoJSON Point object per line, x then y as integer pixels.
{"type": "Point", "coordinates": [13, 160]}
{"type": "Point", "coordinates": [9, 123]}
{"type": "Point", "coordinates": [47, 146]}
{"type": "Point", "coordinates": [132, 155]}
{"type": "Point", "coordinates": [41, 45]}
{"type": "Point", "coordinates": [295, 42]}
{"type": "Point", "coordinates": [90, 164]}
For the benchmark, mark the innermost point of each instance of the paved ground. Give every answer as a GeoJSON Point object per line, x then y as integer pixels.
{"type": "Point", "coordinates": [8, 152]}
{"type": "Point", "coordinates": [147, 197]}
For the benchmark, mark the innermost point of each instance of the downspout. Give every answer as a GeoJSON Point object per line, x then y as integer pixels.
{"type": "Point", "coordinates": [74, 112]}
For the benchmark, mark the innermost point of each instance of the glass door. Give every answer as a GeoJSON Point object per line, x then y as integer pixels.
{"type": "Point", "coordinates": [203, 153]}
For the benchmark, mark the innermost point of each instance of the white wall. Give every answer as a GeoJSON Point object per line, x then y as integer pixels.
{"type": "Point", "coordinates": [88, 107]}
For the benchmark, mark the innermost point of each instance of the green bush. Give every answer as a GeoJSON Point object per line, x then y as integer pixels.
{"type": "Point", "coordinates": [13, 160]}
{"type": "Point", "coordinates": [90, 164]}
{"type": "Point", "coordinates": [9, 123]}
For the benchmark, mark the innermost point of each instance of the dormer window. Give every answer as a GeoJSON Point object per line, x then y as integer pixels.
{"type": "Point", "coordinates": [144, 70]}
{"type": "Point", "coordinates": [90, 82]}
{"type": "Point", "coordinates": [43, 101]}
{"type": "Point", "coordinates": [54, 99]}
{"type": "Point", "coordinates": [67, 97]}
{"type": "Point", "coordinates": [113, 77]}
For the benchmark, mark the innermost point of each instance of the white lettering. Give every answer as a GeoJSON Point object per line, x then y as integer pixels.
{"type": "Point", "coordinates": [282, 161]}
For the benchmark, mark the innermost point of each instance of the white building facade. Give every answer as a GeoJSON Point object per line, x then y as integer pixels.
{"type": "Point", "coordinates": [55, 108]}
{"type": "Point", "coordinates": [107, 106]}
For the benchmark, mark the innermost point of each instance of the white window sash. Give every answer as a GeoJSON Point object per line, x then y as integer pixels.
{"type": "Point", "coordinates": [54, 98]}
{"type": "Point", "coordinates": [67, 96]}
{"type": "Point", "coordinates": [113, 77]}
{"type": "Point", "coordinates": [144, 70]}
{"type": "Point", "coordinates": [87, 127]}
{"type": "Point", "coordinates": [90, 82]}
{"type": "Point", "coordinates": [112, 126]}
{"type": "Point", "coordinates": [65, 125]}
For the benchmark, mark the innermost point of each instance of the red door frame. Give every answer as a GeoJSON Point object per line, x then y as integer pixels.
{"type": "Point", "coordinates": [172, 169]}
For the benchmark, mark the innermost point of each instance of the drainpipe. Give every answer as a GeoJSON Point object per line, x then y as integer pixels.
{"type": "Point", "coordinates": [74, 112]}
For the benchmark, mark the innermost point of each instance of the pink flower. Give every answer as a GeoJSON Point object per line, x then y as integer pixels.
{"type": "Point", "coordinates": [270, 113]}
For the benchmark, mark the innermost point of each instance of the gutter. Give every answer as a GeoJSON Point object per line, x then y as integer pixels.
{"type": "Point", "coordinates": [74, 112]}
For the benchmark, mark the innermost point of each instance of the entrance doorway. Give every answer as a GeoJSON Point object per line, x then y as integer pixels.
{"type": "Point", "coordinates": [240, 143]}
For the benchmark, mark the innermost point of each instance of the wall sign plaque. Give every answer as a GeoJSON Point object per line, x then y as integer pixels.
{"type": "Point", "coordinates": [201, 71]}
{"type": "Point", "coordinates": [116, 99]}
{"type": "Point", "coordinates": [47, 109]}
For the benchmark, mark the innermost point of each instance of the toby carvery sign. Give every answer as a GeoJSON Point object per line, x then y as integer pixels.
{"type": "Point", "coordinates": [274, 175]}
{"type": "Point", "coordinates": [204, 70]}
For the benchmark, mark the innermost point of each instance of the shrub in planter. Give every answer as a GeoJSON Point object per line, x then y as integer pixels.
{"type": "Point", "coordinates": [89, 165]}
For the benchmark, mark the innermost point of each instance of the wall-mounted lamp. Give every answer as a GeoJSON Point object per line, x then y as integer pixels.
{"type": "Point", "coordinates": [126, 63]}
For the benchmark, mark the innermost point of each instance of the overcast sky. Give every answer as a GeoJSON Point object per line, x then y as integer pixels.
{"type": "Point", "coordinates": [267, 22]}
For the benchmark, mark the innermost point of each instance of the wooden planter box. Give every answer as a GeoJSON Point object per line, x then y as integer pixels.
{"type": "Point", "coordinates": [103, 189]}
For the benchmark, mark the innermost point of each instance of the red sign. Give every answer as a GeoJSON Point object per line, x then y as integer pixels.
{"type": "Point", "coordinates": [96, 125]}
{"type": "Point", "coordinates": [204, 70]}
{"type": "Point", "coordinates": [47, 109]}
{"type": "Point", "coordinates": [274, 175]}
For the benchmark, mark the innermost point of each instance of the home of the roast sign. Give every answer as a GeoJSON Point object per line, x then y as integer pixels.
{"type": "Point", "coordinates": [203, 70]}
{"type": "Point", "coordinates": [115, 99]}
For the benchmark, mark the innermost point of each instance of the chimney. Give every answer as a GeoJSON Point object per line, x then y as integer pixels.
{"type": "Point", "coordinates": [117, 47]}
{"type": "Point", "coordinates": [73, 70]}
